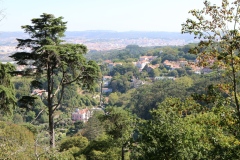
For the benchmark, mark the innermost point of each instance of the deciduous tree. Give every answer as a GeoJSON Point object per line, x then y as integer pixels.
{"type": "Point", "coordinates": [217, 27]}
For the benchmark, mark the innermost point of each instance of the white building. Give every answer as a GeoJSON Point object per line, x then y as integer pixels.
{"type": "Point", "coordinates": [81, 115]}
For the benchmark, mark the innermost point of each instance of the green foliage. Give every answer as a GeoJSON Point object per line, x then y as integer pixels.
{"type": "Point", "coordinates": [7, 92]}
{"type": "Point", "coordinates": [123, 69]}
{"type": "Point", "coordinates": [173, 73]}
{"type": "Point", "coordinates": [76, 141]}
{"type": "Point", "coordinates": [93, 127]}
{"type": "Point", "coordinates": [145, 98]}
{"type": "Point", "coordinates": [31, 128]}
{"type": "Point", "coordinates": [154, 73]}
{"type": "Point", "coordinates": [17, 142]}
{"type": "Point", "coordinates": [17, 118]}
{"type": "Point", "coordinates": [185, 130]}
{"type": "Point", "coordinates": [120, 83]}
{"type": "Point", "coordinates": [113, 98]}
{"type": "Point", "coordinates": [118, 123]}
{"type": "Point", "coordinates": [119, 126]}
{"type": "Point", "coordinates": [22, 86]}
{"type": "Point", "coordinates": [156, 61]}
{"type": "Point", "coordinates": [102, 148]}
{"type": "Point", "coordinates": [30, 116]}
{"type": "Point", "coordinates": [185, 81]}
{"type": "Point", "coordinates": [169, 57]}
{"type": "Point", "coordinates": [75, 129]}
{"type": "Point", "coordinates": [72, 148]}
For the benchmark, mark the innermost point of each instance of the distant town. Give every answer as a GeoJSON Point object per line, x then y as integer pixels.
{"type": "Point", "coordinates": [101, 40]}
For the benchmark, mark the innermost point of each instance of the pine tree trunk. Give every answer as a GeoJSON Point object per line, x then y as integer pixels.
{"type": "Point", "coordinates": [50, 108]}
{"type": "Point", "coordinates": [123, 153]}
{"type": "Point", "coordinates": [51, 128]}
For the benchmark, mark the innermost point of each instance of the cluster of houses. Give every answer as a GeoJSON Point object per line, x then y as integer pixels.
{"type": "Point", "coordinates": [145, 62]}
{"type": "Point", "coordinates": [140, 64]}
{"type": "Point", "coordinates": [171, 65]}
{"type": "Point", "coordinates": [174, 64]}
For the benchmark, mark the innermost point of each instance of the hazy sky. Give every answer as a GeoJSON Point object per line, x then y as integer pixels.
{"type": "Point", "coordinates": [117, 15]}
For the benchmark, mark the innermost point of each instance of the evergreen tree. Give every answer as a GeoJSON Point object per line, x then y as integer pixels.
{"type": "Point", "coordinates": [45, 55]}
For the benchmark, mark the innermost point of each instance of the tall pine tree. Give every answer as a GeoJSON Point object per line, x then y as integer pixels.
{"type": "Point", "coordinates": [46, 55]}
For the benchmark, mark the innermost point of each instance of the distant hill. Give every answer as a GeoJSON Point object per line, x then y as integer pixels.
{"type": "Point", "coordinates": [109, 35]}
{"type": "Point", "coordinates": [12, 34]}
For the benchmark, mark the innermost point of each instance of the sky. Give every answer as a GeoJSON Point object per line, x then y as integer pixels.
{"type": "Point", "coordinates": [115, 15]}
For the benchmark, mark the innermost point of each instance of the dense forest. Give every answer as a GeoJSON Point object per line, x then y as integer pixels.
{"type": "Point", "coordinates": [144, 103]}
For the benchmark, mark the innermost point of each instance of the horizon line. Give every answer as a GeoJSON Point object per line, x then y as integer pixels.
{"type": "Point", "coordinates": [107, 31]}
